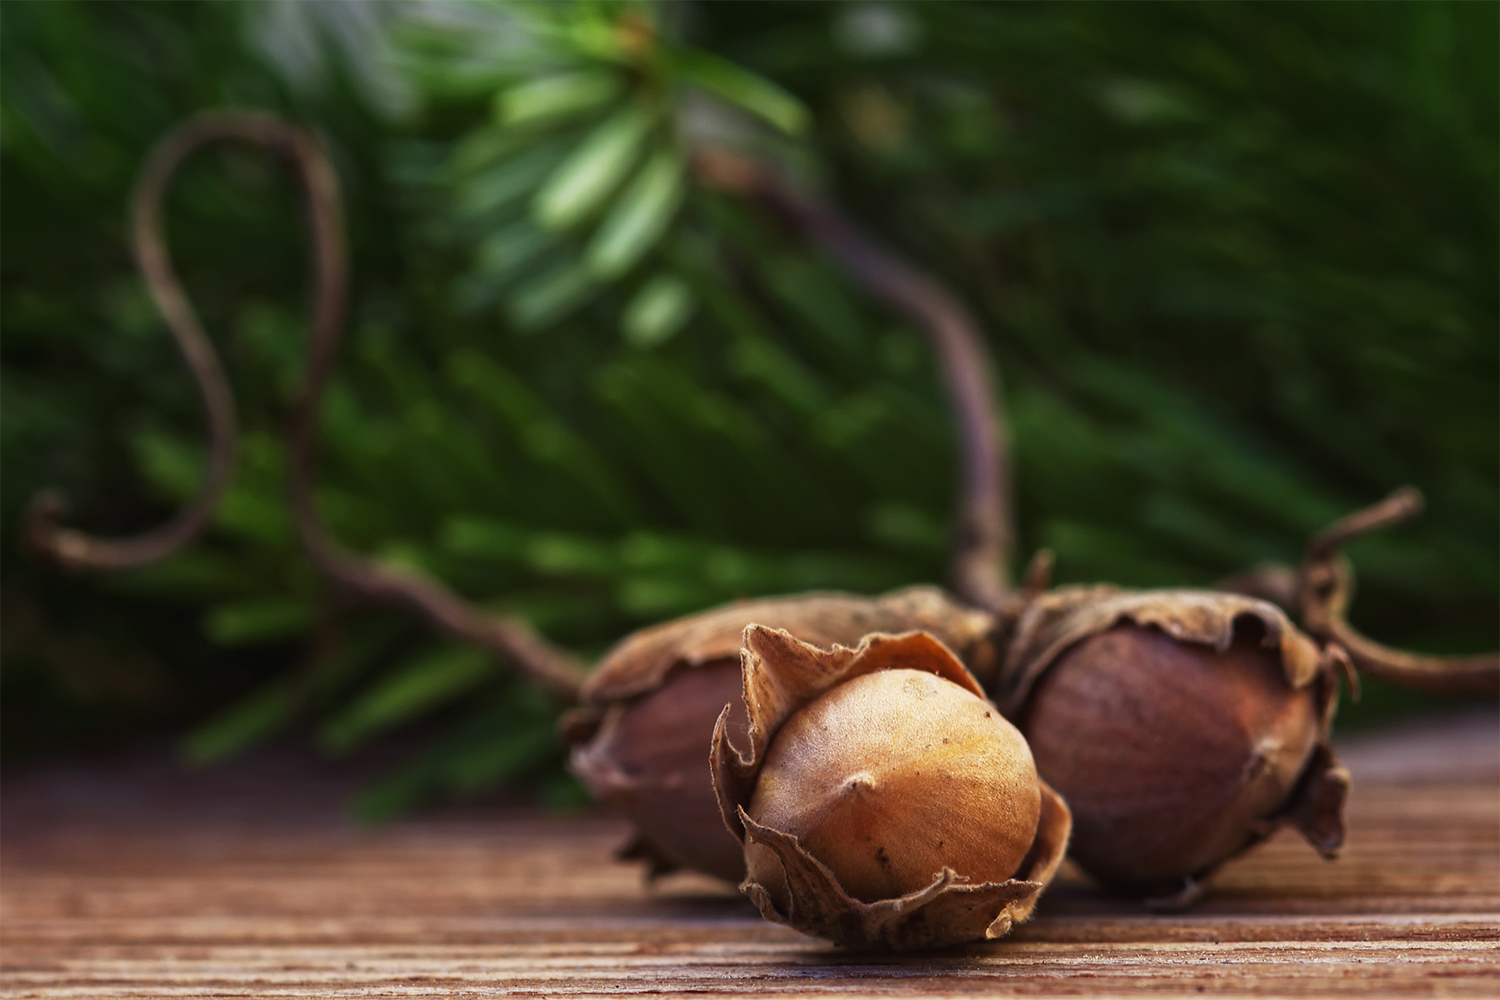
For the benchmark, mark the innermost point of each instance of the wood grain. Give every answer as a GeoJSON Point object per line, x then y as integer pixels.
{"type": "Point", "coordinates": [124, 879]}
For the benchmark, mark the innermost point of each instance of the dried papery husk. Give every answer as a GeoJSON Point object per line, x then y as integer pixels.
{"type": "Point", "coordinates": [1181, 726]}
{"type": "Point", "coordinates": [641, 742]}
{"type": "Point", "coordinates": [882, 801]}
{"type": "Point", "coordinates": [642, 660]}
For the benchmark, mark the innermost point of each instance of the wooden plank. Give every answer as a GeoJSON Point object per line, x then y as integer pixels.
{"type": "Point", "coordinates": [128, 880]}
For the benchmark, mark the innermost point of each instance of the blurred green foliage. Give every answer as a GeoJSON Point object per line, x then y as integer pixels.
{"type": "Point", "coordinates": [1237, 263]}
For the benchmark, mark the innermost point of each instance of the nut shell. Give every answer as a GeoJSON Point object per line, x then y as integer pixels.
{"type": "Point", "coordinates": [1181, 726]}
{"type": "Point", "coordinates": [1187, 751]}
{"type": "Point", "coordinates": [892, 777]}
{"type": "Point", "coordinates": [649, 757]}
{"type": "Point", "coordinates": [798, 875]}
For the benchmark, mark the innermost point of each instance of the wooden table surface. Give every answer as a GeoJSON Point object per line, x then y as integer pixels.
{"type": "Point", "coordinates": [123, 879]}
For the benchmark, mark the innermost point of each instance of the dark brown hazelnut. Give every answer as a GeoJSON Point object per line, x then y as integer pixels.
{"type": "Point", "coordinates": [1182, 727]}
{"type": "Point", "coordinates": [883, 802]}
{"type": "Point", "coordinates": [650, 758]}
{"type": "Point", "coordinates": [642, 741]}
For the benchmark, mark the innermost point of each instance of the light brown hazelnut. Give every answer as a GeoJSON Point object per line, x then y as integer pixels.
{"type": "Point", "coordinates": [642, 740]}
{"type": "Point", "coordinates": [882, 801]}
{"type": "Point", "coordinates": [1181, 726]}
{"type": "Point", "coordinates": [891, 777]}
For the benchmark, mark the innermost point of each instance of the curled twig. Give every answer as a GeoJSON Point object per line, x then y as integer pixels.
{"type": "Point", "coordinates": [80, 551]}
{"type": "Point", "coordinates": [510, 638]}
{"type": "Point", "coordinates": [1401, 506]}
{"type": "Point", "coordinates": [1326, 585]}
{"type": "Point", "coordinates": [985, 534]}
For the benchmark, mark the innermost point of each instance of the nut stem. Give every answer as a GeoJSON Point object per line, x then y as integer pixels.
{"type": "Point", "coordinates": [1326, 584]}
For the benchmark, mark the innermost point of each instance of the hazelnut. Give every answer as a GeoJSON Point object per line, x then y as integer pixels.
{"type": "Point", "coordinates": [642, 741]}
{"type": "Point", "coordinates": [1182, 727]}
{"type": "Point", "coordinates": [857, 772]}
{"type": "Point", "coordinates": [649, 757]}
{"type": "Point", "coordinates": [883, 802]}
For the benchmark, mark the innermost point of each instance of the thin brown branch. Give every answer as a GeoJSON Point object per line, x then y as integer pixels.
{"type": "Point", "coordinates": [984, 534]}
{"type": "Point", "coordinates": [1401, 506]}
{"type": "Point", "coordinates": [1326, 586]}
{"type": "Point", "coordinates": [509, 638]}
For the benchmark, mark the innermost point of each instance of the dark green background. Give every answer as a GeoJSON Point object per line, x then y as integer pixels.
{"type": "Point", "coordinates": [1237, 264]}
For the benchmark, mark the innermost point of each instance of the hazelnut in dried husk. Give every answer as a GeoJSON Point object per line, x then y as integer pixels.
{"type": "Point", "coordinates": [1181, 726]}
{"type": "Point", "coordinates": [882, 801]}
{"type": "Point", "coordinates": [649, 757]}
{"type": "Point", "coordinates": [642, 740]}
